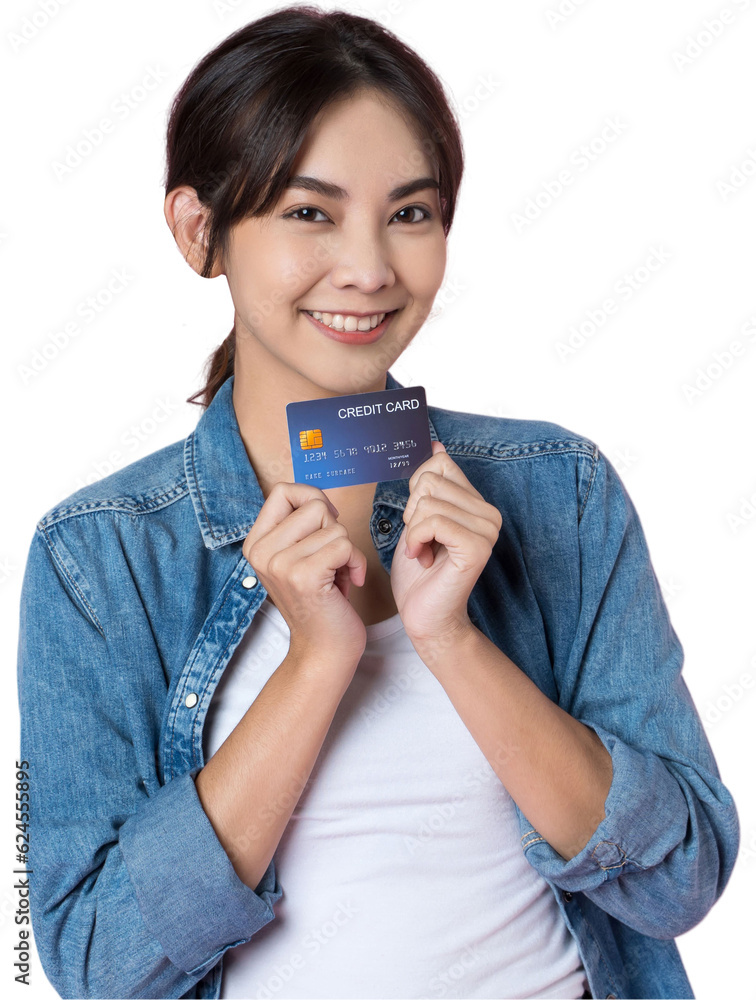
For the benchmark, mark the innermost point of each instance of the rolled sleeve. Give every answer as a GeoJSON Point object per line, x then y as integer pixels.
{"type": "Point", "coordinates": [627, 838]}
{"type": "Point", "coordinates": [665, 848]}
{"type": "Point", "coordinates": [132, 894]}
{"type": "Point", "coordinates": [198, 907]}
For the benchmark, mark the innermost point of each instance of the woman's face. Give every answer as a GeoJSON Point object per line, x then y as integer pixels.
{"type": "Point", "coordinates": [370, 250]}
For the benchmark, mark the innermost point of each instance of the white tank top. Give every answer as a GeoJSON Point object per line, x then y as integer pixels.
{"type": "Point", "coordinates": [401, 865]}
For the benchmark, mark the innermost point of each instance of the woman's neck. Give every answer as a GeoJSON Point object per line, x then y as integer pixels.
{"type": "Point", "coordinates": [262, 388]}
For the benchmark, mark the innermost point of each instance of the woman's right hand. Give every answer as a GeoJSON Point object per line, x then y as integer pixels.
{"type": "Point", "coordinates": [305, 560]}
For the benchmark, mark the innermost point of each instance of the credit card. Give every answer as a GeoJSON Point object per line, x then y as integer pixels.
{"type": "Point", "coordinates": [364, 437]}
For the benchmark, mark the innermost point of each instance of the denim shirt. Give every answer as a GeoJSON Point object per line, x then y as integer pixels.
{"type": "Point", "coordinates": [134, 598]}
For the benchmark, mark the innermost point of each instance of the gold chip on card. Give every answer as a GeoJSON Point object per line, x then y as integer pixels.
{"type": "Point", "coordinates": [311, 439]}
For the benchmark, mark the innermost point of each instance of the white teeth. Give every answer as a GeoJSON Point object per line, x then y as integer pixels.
{"type": "Point", "coordinates": [337, 321]}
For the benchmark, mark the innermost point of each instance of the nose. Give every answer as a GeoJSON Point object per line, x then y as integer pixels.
{"type": "Point", "coordinates": [361, 259]}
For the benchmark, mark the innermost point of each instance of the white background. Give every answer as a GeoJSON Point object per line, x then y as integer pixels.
{"type": "Point", "coordinates": [530, 87]}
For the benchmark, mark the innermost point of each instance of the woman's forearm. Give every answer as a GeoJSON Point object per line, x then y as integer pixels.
{"type": "Point", "coordinates": [555, 768]}
{"type": "Point", "coordinates": [250, 786]}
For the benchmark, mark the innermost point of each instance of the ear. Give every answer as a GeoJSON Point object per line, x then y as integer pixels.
{"type": "Point", "coordinates": [188, 219]}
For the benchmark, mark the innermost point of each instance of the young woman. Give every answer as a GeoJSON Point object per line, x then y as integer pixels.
{"type": "Point", "coordinates": [416, 738]}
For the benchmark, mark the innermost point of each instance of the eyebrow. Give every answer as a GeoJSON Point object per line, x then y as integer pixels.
{"type": "Point", "coordinates": [328, 190]}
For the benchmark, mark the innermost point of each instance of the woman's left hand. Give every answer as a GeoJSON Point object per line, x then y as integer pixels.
{"type": "Point", "coordinates": [448, 536]}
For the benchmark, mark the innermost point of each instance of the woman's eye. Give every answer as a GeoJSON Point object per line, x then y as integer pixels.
{"type": "Point", "coordinates": [414, 208]}
{"type": "Point", "coordinates": [306, 208]}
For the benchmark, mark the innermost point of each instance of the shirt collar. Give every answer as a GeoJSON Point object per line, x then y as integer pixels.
{"type": "Point", "coordinates": [222, 483]}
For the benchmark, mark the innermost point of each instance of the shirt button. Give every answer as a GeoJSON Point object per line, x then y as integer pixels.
{"type": "Point", "coordinates": [249, 582]}
{"type": "Point", "coordinates": [191, 700]}
{"type": "Point", "coordinates": [384, 526]}
{"type": "Point", "coordinates": [566, 896]}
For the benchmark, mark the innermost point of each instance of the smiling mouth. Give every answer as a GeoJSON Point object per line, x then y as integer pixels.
{"type": "Point", "coordinates": [344, 323]}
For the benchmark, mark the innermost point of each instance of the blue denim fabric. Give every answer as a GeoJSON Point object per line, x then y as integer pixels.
{"type": "Point", "coordinates": [132, 600]}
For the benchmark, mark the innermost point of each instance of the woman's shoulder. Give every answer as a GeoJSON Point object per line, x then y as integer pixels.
{"type": "Point", "coordinates": [143, 485]}
{"type": "Point", "coordinates": [512, 459]}
{"type": "Point", "coordinates": [505, 435]}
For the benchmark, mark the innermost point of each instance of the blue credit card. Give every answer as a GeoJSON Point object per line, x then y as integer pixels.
{"type": "Point", "coordinates": [364, 437]}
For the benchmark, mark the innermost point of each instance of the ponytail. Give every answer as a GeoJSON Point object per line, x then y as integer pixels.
{"type": "Point", "coordinates": [219, 367]}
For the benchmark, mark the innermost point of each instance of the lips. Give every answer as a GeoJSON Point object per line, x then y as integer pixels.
{"type": "Point", "coordinates": [353, 337]}
{"type": "Point", "coordinates": [347, 317]}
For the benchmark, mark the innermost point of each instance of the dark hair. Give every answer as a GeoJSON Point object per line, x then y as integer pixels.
{"type": "Point", "coordinates": [237, 123]}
